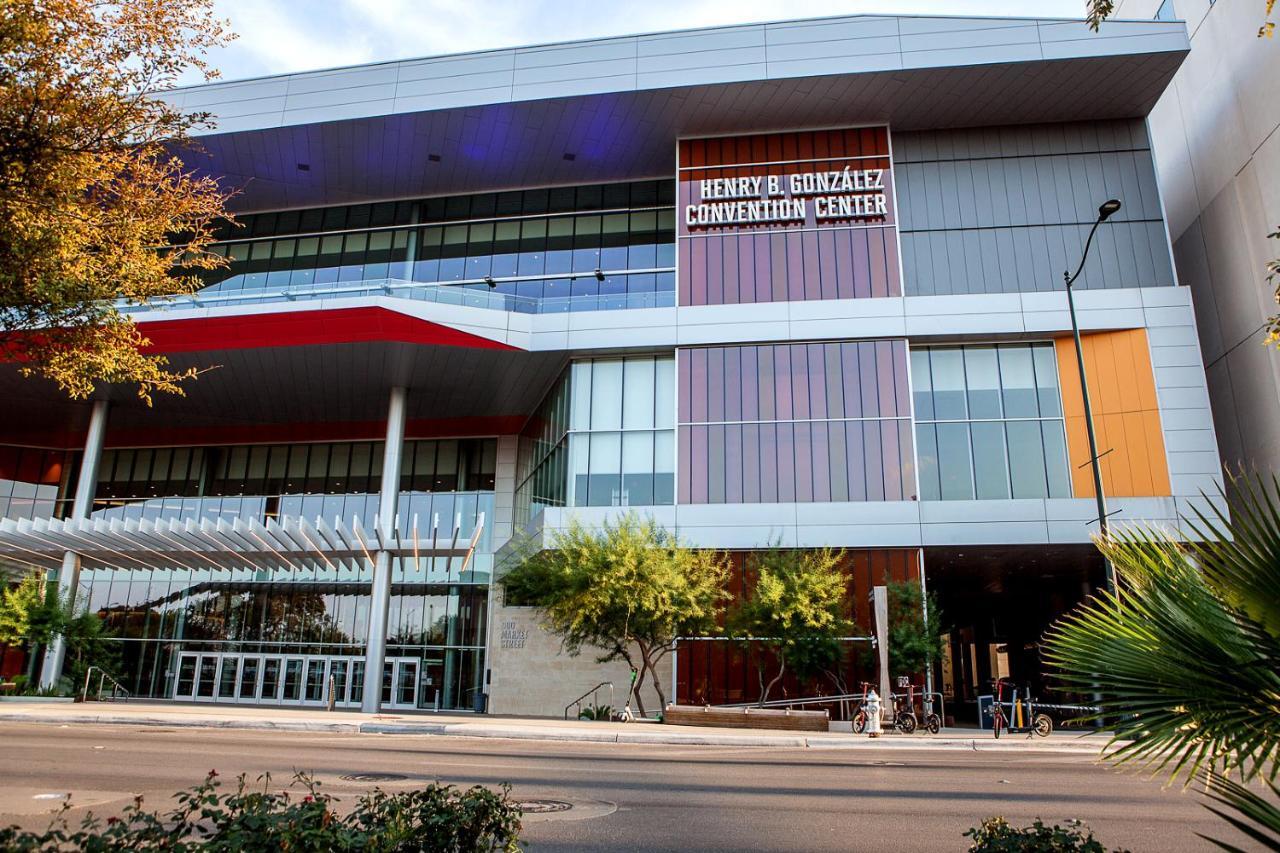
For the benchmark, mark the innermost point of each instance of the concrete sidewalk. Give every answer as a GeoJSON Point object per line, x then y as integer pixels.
{"type": "Point", "coordinates": [170, 715]}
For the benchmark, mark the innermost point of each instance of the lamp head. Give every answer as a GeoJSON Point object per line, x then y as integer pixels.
{"type": "Point", "coordinates": [1107, 209]}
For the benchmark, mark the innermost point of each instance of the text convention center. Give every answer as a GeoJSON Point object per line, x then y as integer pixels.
{"type": "Point", "coordinates": [796, 284]}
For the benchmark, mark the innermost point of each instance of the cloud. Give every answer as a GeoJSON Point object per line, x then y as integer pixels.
{"type": "Point", "coordinates": [279, 36]}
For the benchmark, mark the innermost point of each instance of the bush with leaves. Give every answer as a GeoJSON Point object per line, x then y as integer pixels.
{"type": "Point", "coordinates": [628, 589]}
{"type": "Point", "coordinates": [434, 819]}
{"type": "Point", "coordinates": [915, 629]}
{"type": "Point", "coordinates": [797, 610]}
{"type": "Point", "coordinates": [995, 835]}
{"type": "Point", "coordinates": [1186, 653]}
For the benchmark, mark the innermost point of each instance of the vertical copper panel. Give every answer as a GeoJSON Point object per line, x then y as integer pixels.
{"type": "Point", "coordinates": [721, 672]}
{"type": "Point", "coordinates": [792, 259]}
{"type": "Point", "coordinates": [795, 422]}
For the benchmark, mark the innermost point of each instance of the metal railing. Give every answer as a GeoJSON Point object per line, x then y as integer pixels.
{"type": "Point", "coordinates": [576, 704]}
{"type": "Point", "coordinates": [117, 691]}
{"type": "Point", "coordinates": [841, 699]}
{"type": "Point", "coordinates": [455, 293]}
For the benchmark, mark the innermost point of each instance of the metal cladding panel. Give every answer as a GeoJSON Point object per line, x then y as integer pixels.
{"type": "Point", "coordinates": [795, 423]}
{"type": "Point", "coordinates": [1006, 210]}
{"type": "Point", "coordinates": [786, 217]}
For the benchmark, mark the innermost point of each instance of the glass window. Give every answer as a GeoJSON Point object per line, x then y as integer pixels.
{"type": "Point", "coordinates": [982, 379]}
{"type": "Point", "coordinates": [922, 384]}
{"type": "Point", "coordinates": [606, 395]}
{"type": "Point", "coordinates": [954, 466]}
{"type": "Point", "coordinates": [637, 393]}
{"type": "Point", "coordinates": [1018, 380]}
{"type": "Point", "coordinates": [604, 480]}
{"type": "Point", "coordinates": [1026, 446]}
{"type": "Point", "coordinates": [947, 370]}
{"type": "Point", "coordinates": [990, 472]}
{"type": "Point", "coordinates": [1046, 365]}
{"type": "Point", "coordinates": [1011, 401]}
{"type": "Point", "coordinates": [637, 469]}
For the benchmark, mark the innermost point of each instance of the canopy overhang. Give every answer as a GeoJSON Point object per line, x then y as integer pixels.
{"type": "Point", "coordinates": [278, 543]}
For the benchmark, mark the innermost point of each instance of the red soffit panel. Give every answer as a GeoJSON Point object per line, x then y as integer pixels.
{"type": "Point", "coordinates": [305, 328]}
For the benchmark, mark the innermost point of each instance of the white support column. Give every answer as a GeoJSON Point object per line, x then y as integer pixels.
{"type": "Point", "coordinates": [375, 651]}
{"type": "Point", "coordinates": [880, 608]}
{"type": "Point", "coordinates": [82, 504]}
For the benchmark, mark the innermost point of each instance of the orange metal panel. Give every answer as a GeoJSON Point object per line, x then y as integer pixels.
{"type": "Point", "coordinates": [1126, 417]}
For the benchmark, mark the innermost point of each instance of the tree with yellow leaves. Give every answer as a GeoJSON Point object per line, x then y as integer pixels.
{"type": "Point", "coordinates": [96, 202]}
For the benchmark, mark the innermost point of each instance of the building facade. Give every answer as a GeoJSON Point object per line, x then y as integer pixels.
{"type": "Point", "coordinates": [1218, 157]}
{"type": "Point", "coordinates": [793, 284]}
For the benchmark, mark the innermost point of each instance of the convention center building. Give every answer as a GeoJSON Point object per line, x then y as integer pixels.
{"type": "Point", "coordinates": [796, 283]}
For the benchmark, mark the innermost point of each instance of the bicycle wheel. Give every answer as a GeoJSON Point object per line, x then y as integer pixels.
{"type": "Point", "coordinates": [932, 723]}
{"type": "Point", "coordinates": [906, 722]}
{"type": "Point", "coordinates": [860, 722]}
{"type": "Point", "coordinates": [1042, 725]}
{"type": "Point", "coordinates": [997, 723]}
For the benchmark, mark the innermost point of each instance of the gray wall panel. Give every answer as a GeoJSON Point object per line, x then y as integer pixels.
{"type": "Point", "coordinates": [1006, 210]}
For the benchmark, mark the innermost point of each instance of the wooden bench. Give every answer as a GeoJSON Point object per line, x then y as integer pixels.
{"type": "Point", "coordinates": [746, 718]}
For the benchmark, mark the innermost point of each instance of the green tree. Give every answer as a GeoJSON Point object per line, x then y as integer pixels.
{"type": "Point", "coordinates": [30, 616]}
{"type": "Point", "coordinates": [1186, 654]}
{"type": "Point", "coordinates": [95, 202]}
{"type": "Point", "coordinates": [915, 639]}
{"type": "Point", "coordinates": [797, 610]}
{"type": "Point", "coordinates": [628, 589]}
{"type": "Point", "coordinates": [17, 605]}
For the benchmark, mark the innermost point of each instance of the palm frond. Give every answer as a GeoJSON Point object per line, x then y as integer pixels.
{"type": "Point", "coordinates": [1253, 815]}
{"type": "Point", "coordinates": [1238, 548]}
{"type": "Point", "coordinates": [1186, 676]}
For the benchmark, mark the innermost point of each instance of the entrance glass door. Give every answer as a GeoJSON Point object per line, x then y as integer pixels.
{"type": "Point", "coordinates": [292, 687]}
{"type": "Point", "coordinates": [337, 681]}
{"type": "Point", "coordinates": [206, 677]}
{"type": "Point", "coordinates": [249, 670]}
{"type": "Point", "coordinates": [301, 680]}
{"type": "Point", "coordinates": [270, 691]}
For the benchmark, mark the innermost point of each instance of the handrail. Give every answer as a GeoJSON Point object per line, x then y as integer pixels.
{"type": "Point", "coordinates": [117, 689]}
{"type": "Point", "coordinates": [592, 693]}
{"type": "Point", "coordinates": [804, 700]}
{"type": "Point", "coordinates": [450, 293]}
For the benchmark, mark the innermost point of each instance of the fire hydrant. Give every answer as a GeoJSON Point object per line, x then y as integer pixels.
{"type": "Point", "coordinates": [873, 714]}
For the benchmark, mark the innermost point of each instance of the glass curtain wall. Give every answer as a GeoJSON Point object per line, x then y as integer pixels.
{"type": "Point", "coordinates": [604, 436]}
{"type": "Point", "coordinates": [611, 244]}
{"type": "Point", "coordinates": [989, 422]}
{"type": "Point", "coordinates": [170, 618]}
{"type": "Point", "coordinates": [37, 483]}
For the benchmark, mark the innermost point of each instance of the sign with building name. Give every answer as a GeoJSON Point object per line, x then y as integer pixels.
{"type": "Point", "coordinates": [786, 216]}
{"type": "Point", "coordinates": [512, 635]}
{"type": "Point", "coordinates": [835, 194]}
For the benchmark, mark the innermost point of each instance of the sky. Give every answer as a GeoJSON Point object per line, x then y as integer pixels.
{"type": "Point", "coordinates": [279, 36]}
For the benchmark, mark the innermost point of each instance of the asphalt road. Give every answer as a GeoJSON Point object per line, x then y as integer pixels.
{"type": "Point", "coordinates": [630, 797]}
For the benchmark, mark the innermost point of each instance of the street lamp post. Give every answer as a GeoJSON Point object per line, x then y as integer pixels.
{"type": "Point", "coordinates": [1104, 213]}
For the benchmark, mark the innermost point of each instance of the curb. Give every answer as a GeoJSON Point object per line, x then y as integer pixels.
{"type": "Point", "coordinates": [561, 735]}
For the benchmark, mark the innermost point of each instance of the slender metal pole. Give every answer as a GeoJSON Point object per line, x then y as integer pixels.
{"type": "Point", "coordinates": [1099, 495]}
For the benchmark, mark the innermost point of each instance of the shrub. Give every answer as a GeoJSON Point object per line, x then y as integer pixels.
{"type": "Point", "coordinates": [596, 712]}
{"type": "Point", "coordinates": [995, 835]}
{"type": "Point", "coordinates": [434, 819]}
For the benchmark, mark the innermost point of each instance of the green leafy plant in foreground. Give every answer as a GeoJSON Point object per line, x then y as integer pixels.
{"type": "Point", "coordinates": [1186, 654]}
{"type": "Point", "coordinates": [434, 819]}
{"type": "Point", "coordinates": [995, 835]}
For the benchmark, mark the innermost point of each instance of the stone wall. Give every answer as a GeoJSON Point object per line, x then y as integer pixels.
{"type": "Point", "coordinates": [530, 675]}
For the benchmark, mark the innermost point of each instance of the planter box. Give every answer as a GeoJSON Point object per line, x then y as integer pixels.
{"type": "Point", "coordinates": [746, 718]}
